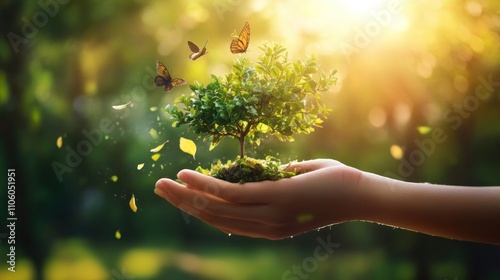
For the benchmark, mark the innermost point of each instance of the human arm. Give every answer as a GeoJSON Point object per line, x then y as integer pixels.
{"type": "Point", "coordinates": [456, 212]}
{"type": "Point", "coordinates": [328, 192]}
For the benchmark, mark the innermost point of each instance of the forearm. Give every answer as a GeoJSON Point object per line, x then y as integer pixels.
{"type": "Point", "coordinates": [464, 213]}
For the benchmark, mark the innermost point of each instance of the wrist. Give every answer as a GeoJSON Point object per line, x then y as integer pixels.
{"type": "Point", "coordinates": [375, 197]}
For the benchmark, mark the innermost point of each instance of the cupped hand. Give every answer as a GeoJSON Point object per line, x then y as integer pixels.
{"type": "Point", "coordinates": [325, 192]}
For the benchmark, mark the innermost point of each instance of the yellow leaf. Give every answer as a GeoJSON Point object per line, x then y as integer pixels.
{"type": "Point", "coordinates": [59, 142]}
{"type": "Point", "coordinates": [188, 146]}
{"type": "Point", "coordinates": [155, 157]}
{"type": "Point", "coordinates": [132, 203]}
{"type": "Point", "coordinates": [153, 133]}
{"type": "Point", "coordinates": [114, 178]}
{"type": "Point", "coordinates": [118, 235]}
{"type": "Point", "coordinates": [122, 106]}
{"type": "Point", "coordinates": [140, 166]}
{"type": "Point", "coordinates": [157, 149]}
{"type": "Point", "coordinates": [424, 129]}
{"type": "Point", "coordinates": [264, 128]}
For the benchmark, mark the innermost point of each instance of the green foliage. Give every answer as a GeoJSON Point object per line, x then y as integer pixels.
{"type": "Point", "coordinates": [247, 169]}
{"type": "Point", "coordinates": [272, 96]}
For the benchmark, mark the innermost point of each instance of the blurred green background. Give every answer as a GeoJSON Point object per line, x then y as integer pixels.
{"type": "Point", "coordinates": [405, 67]}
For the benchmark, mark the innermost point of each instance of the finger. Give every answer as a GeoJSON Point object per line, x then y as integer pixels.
{"type": "Point", "coordinates": [311, 165]}
{"type": "Point", "coordinates": [248, 228]}
{"type": "Point", "coordinates": [226, 224]}
{"type": "Point", "coordinates": [189, 200]}
{"type": "Point", "coordinates": [258, 230]}
{"type": "Point", "coordinates": [198, 203]}
{"type": "Point", "coordinates": [254, 193]}
{"type": "Point", "coordinates": [240, 219]}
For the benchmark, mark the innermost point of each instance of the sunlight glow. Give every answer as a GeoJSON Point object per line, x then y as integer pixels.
{"type": "Point", "coordinates": [377, 117]}
{"type": "Point", "coordinates": [402, 113]}
{"type": "Point", "coordinates": [361, 7]}
{"type": "Point", "coordinates": [334, 25]}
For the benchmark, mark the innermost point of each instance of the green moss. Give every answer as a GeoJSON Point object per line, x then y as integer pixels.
{"type": "Point", "coordinates": [247, 169]}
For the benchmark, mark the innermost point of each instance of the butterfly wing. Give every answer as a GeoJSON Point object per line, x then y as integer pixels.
{"type": "Point", "coordinates": [164, 79]}
{"type": "Point", "coordinates": [193, 47]}
{"type": "Point", "coordinates": [162, 71]}
{"type": "Point", "coordinates": [160, 81]}
{"type": "Point", "coordinates": [204, 50]}
{"type": "Point", "coordinates": [168, 87]}
{"type": "Point", "coordinates": [174, 82]}
{"type": "Point", "coordinates": [177, 82]}
{"type": "Point", "coordinates": [240, 44]}
{"type": "Point", "coordinates": [196, 51]}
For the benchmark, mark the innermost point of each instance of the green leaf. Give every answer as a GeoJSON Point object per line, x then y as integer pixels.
{"type": "Point", "coordinates": [270, 91]}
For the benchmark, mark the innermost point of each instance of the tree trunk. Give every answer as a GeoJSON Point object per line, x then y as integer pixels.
{"type": "Point", "coordinates": [242, 146]}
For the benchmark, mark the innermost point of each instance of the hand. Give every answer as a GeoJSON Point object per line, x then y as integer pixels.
{"type": "Point", "coordinates": [324, 193]}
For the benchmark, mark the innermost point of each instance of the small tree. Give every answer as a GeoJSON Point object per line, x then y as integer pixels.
{"type": "Point", "coordinates": [273, 97]}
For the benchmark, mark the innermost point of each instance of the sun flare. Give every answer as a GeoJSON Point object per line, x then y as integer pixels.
{"type": "Point", "coordinates": [360, 7]}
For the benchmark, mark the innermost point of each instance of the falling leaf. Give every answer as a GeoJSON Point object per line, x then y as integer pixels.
{"type": "Point", "coordinates": [188, 146]}
{"type": "Point", "coordinates": [118, 235]}
{"type": "Point", "coordinates": [157, 149]}
{"type": "Point", "coordinates": [121, 107]}
{"type": "Point", "coordinates": [423, 129]}
{"type": "Point", "coordinates": [140, 166]}
{"type": "Point", "coordinates": [153, 133]}
{"type": "Point", "coordinates": [59, 142]}
{"type": "Point", "coordinates": [153, 109]}
{"type": "Point", "coordinates": [396, 152]}
{"type": "Point", "coordinates": [114, 178]}
{"type": "Point", "coordinates": [155, 157]}
{"type": "Point", "coordinates": [132, 203]}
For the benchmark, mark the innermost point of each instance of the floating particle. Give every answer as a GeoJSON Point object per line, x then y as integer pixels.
{"type": "Point", "coordinates": [122, 106]}
{"type": "Point", "coordinates": [140, 166]}
{"type": "Point", "coordinates": [153, 133]}
{"type": "Point", "coordinates": [155, 157]}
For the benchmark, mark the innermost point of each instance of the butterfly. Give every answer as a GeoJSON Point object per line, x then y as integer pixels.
{"type": "Point", "coordinates": [196, 51]}
{"type": "Point", "coordinates": [240, 44]}
{"type": "Point", "coordinates": [164, 78]}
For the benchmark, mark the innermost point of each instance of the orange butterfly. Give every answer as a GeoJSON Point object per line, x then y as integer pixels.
{"type": "Point", "coordinates": [164, 78]}
{"type": "Point", "coordinates": [196, 51]}
{"type": "Point", "coordinates": [240, 44]}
